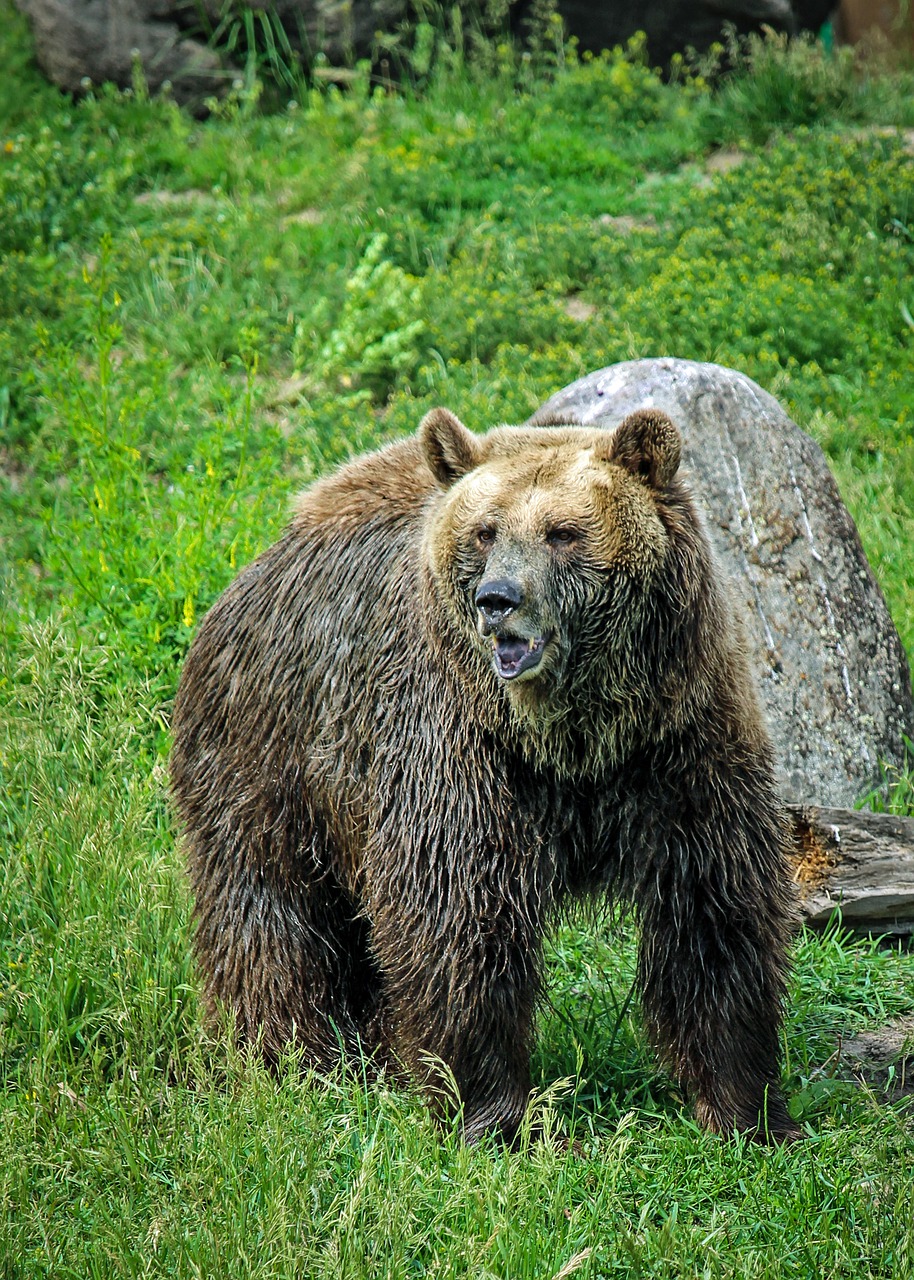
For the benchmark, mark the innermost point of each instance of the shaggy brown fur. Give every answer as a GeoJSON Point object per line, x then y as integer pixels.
{"type": "Point", "coordinates": [479, 677]}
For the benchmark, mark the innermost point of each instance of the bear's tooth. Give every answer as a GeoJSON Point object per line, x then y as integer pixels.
{"type": "Point", "coordinates": [532, 645]}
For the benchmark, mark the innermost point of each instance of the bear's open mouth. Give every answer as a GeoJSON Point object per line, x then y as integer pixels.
{"type": "Point", "coordinates": [513, 655]}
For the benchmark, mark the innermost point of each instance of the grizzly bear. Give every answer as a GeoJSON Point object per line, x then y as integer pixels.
{"type": "Point", "coordinates": [477, 679]}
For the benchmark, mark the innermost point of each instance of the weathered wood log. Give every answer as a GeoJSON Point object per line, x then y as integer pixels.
{"type": "Point", "coordinates": [860, 862]}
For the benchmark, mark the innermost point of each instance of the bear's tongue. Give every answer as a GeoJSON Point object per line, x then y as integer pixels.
{"type": "Point", "coordinates": [513, 655]}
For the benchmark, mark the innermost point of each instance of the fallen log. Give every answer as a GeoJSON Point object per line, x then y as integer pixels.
{"type": "Point", "coordinates": [859, 862]}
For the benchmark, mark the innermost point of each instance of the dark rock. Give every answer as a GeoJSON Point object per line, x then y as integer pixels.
{"type": "Point", "coordinates": [812, 15]}
{"type": "Point", "coordinates": [673, 26]}
{"type": "Point", "coordinates": [832, 671]}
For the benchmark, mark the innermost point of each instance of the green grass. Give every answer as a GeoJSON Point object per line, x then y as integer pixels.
{"type": "Point", "coordinates": [197, 317]}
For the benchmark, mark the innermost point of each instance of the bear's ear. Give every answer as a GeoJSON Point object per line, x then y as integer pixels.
{"type": "Point", "coordinates": [450, 449]}
{"type": "Point", "coordinates": [649, 446]}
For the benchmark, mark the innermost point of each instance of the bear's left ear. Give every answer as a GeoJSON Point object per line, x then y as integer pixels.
{"type": "Point", "coordinates": [450, 449]}
{"type": "Point", "coordinates": [649, 446]}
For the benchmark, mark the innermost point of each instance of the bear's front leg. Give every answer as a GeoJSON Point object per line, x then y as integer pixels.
{"type": "Point", "coordinates": [716, 915]}
{"type": "Point", "coordinates": [460, 974]}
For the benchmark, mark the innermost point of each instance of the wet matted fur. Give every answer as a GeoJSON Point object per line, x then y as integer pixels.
{"type": "Point", "coordinates": [477, 679]}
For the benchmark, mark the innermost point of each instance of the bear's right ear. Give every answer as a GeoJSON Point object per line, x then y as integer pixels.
{"type": "Point", "coordinates": [649, 445]}
{"type": "Point", "coordinates": [450, 449]}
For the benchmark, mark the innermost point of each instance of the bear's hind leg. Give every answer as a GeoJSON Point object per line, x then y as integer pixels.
{"type": "Point", "coordinates": [289, 961]}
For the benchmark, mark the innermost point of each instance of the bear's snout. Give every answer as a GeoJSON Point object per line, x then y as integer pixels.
{"type": "Point", "coordinates": [496, 599]}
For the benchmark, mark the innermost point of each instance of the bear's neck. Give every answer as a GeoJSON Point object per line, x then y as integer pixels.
{"type": "Point", "coordinates": [585, 735]}
{"type": "Point", "coordinates": [604, 707]}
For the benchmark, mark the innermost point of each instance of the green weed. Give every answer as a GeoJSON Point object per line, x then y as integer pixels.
{"type": "Point", "coordinates": [780, 83]}
{"type": "Point", "coordinates": [376, 333]}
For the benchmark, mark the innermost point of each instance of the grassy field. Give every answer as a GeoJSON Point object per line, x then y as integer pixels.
{"type": "Point", "coordinates": [196, 318]}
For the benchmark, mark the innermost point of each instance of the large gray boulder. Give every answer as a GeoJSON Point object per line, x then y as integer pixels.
{"type": "Point", "coordinates": [831, 668]}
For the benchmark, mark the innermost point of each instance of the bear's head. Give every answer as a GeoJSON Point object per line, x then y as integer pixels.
{"type": "Point", "coordinates": [546, 544]}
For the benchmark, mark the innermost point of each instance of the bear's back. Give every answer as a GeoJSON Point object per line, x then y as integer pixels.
{"type": "Point", "coordinates": [278, 679]}
{"type": "Point", "coordinates": [386, 488]}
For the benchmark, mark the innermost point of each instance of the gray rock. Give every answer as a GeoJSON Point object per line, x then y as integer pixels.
{"type": "Point", "coordinates": [831, 668]}
{"type": "Point", "coordinates": [882, 1059]}
{"type": "Point", "coordinates": [99, 40]}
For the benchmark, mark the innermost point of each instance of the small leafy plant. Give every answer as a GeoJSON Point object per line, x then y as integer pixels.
{"type": "Point", "coordinates": [376, 335]}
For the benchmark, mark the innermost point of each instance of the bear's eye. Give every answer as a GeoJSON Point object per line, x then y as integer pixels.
{"type": "Point", "coordinates": [485, 536]}
{"type": "Point", "coordinates": [562, 535]}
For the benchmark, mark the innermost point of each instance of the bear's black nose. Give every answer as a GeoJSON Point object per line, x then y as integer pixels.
{"type": "Point", "coordinates": [496, 599]}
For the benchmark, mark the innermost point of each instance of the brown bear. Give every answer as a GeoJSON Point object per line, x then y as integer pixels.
{"type": "Point", "coordinates": [480, 677]}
